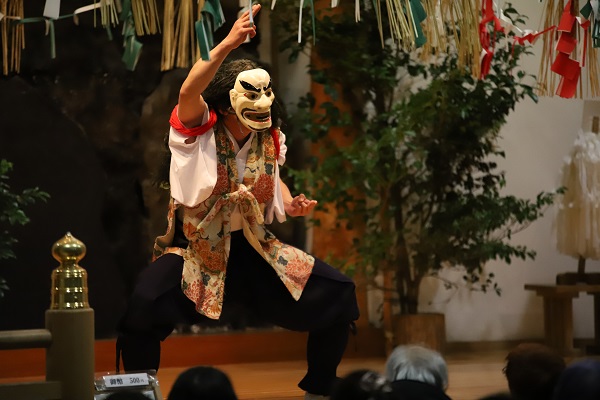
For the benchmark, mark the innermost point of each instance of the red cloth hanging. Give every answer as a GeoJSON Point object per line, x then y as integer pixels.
{"type": "Point", "coordinates": [488, 42]}
{"type": "Point", "coordinates": [563, 65]}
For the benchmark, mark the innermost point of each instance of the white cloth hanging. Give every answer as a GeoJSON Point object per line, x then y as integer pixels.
{"type": "Point", "coordinates": [578, 216]}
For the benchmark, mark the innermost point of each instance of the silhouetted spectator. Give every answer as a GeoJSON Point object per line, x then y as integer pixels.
{"type": "Point", "coordinates": [417, 373]}
{"type": "Point", "coordinates": [202, 383]}
{"type": "Point", "coordinates": [532, 371]}
{"type": "Point", "coordinates": [363, 384]}
{"type": "Point", "coordinates": [579, 381]}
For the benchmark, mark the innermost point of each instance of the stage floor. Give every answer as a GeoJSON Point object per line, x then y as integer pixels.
{"type": "Point", "coordinates": [472, 376]}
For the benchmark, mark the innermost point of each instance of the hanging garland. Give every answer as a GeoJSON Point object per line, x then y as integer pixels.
{"type": "Point", "coordinates": [571, 33]}
{"type": "Point", "coordinates": [12, 29]}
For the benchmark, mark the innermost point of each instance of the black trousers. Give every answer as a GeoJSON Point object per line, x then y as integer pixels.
{"type": "Point", "coordinates": [326, 309]}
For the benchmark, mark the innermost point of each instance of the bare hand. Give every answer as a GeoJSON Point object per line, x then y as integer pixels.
{"type": "Point", "coordinates": [300, 206]}
{"type": "Point", "coordinates": [242, 28]}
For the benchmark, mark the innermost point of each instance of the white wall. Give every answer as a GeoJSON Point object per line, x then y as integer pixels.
{"type": "Point", "coordinates": [535, 139]}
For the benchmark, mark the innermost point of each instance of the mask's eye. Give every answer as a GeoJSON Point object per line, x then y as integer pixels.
{"type": "Point", "coordinates": [269, 93]}
{"type": "Point", "coordinates": [251, 95]}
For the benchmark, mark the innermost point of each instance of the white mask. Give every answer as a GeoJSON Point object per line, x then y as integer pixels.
{"type": "Point", "coordinates": [251, 98]}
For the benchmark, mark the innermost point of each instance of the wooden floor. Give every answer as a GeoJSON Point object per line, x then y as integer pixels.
{"type": "Point", "coordinates": [472, 375]}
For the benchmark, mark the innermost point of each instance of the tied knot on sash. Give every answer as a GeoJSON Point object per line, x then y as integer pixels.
{"type": "Point", "coordinates": [249, 206]}
{"type": "Point", "coordinates": [222, 209]}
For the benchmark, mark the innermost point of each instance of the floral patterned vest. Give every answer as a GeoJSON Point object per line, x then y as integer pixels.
{"type": "Point", "coordinates": [207, 227]}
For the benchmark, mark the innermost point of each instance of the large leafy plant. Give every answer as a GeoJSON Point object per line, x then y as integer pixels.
{"type": "Point", "coordinates": [419, 177]}
{"type": "Point", "coordinates": [12, 213]}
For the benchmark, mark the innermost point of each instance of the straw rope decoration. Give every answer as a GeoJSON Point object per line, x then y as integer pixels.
{"type": "Point", "coordinates": [196, 51]}
{"type": "Point", "coordinates": [108, 13]}
{"type": "Point", "coordinates": [434, 29]}
{"type": "Point", "coordinates": [180, 43]}
{"type": "Point", "coordinates": [13, 35]}
{"type": "Point", "coordinates": [404, 32]}
{"type": "Point", "coordinates": [184, 34]}
{"type": "Point", "coordinates": [4, 35]}
{"type": "Point", "coordinates": [546, 79]}
{"type": "Point", "coordinates": [465, 16]}
{"type": "Point", "coordinates": [377, 6]}
{"type": "Point", "coordinates": [168, 52]}
{"type": "Point", "coordinates": [18, 34]}
{"type": "Point", "coordinates": [429, 25]}
{"type": "Point", "coordinates": [145, 17]}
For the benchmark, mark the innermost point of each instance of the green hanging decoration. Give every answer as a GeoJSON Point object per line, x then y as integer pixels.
{"type": "Point", "coordinates": [210, 20]}
{"type": "Point", "coordinates": [418, 15]}
{"type": "Point", "coordinates": [132, 46]}
{"type": "Point", "coordinates": [593, 15]}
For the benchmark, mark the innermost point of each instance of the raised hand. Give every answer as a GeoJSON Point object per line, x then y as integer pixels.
{"type": "Point", "coordinates": [242, 28]}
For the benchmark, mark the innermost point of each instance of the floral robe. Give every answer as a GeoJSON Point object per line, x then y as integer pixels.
{"type": "Point", "coordinates": [207, 227]}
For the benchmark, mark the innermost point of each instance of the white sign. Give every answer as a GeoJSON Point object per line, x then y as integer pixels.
{"type": "Point", "coordinates": [125, 380]}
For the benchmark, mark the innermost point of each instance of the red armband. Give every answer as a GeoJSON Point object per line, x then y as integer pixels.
{"type": "Point", "coordinates": [195, 131]}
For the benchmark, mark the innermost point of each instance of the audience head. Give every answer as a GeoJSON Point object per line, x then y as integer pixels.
{"type": "Point", "coordinates": [532, 371]}
{"type": "Point", "coordinates": [579, 381]}
{"type": "Point", "coordinates": [363, 384]}
{"type": "Point", "coordinates": [417, 363]}
{"type": "Point", "coordinates": [202, 382]}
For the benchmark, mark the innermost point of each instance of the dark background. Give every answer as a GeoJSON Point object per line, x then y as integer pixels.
{"type": "Point", "coordinates": [90, 133]}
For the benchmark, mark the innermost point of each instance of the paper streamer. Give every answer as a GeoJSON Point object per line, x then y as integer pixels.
{"type": "Point", "coordinates": [52, 9]}
{"type": "Point", "coordinates": [212, 19]}
{"type": "Point", "coordinates": [568, 68]}
{"type": "Point", "coordinates": [485, 37]}
{"type": "Point", "coordinates": [418, 15]}
{"type": "Point", "coordinates": [131, 45]}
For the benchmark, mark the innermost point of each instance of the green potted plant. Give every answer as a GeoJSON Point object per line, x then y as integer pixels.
{"type": "Point", "coordinates": [12, 214]}
{"type": "Point", "coordinates": [418, 179]}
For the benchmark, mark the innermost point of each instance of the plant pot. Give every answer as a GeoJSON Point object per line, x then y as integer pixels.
{"type": "Point", "coordinates": [425, 329]}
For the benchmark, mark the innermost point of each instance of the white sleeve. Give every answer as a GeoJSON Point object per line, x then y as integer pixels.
{"type": "Point", "coordinates": [193, 171]}
{"type": "Point", "coordinates": [282, 149]}
{"type": "Point", "coordinates": [275, 208]}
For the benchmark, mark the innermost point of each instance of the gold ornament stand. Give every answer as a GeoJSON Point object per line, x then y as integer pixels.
{"type": "Point", "coordinates": [68, 337]}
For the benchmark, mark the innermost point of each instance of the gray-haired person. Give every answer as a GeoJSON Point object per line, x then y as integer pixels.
{"type": "Point", "coordinates": [417, 373]}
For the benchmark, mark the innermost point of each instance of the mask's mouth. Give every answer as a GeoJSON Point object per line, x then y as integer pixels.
{"type": "Point", "coordinates": [258, 117]}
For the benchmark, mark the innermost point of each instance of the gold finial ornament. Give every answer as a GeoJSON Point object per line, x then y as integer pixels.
{"type": "Point", "coordinates": [69, 288]}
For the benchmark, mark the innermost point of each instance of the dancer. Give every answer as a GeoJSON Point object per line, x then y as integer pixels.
{"type": "Point", "coordinates": [217, 254]}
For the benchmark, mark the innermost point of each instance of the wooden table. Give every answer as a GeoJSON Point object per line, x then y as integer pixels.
{"type": "Point", "coordinates": [558, 314]}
